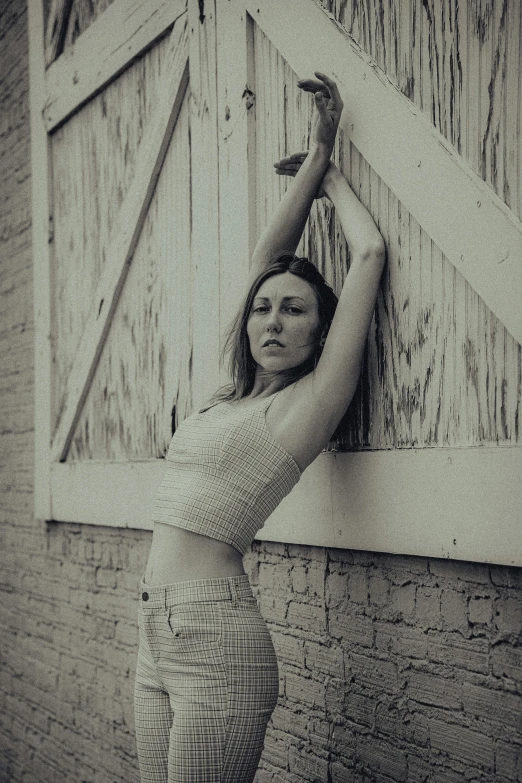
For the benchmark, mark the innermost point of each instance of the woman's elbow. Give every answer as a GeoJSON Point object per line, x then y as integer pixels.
{"type": "Point", "coordinates": [373, 251]}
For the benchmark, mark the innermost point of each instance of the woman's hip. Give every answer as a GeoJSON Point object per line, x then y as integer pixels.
{"type": "Point", "coordinates": [205, 622]}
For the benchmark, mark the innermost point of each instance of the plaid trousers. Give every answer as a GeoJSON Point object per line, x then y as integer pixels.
{"type": "Point", "coordinates": [206, 682]}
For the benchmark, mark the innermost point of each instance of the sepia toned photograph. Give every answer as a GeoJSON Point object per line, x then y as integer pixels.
{"type": "Point", "coordinates": [261, 391]}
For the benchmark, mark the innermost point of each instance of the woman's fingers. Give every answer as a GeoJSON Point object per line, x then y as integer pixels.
{"type": "Point", "coordinates": [332, 87]}
{"type": "Point", "coordinates": [296, 163]}
{"type": "Point", "coordinates": [291, 164]}
{"type": "Point", "coordinates": [322, 108]}
{"type": "Point", "coordinates": [326, 86]}
{"type": "Point", "coordinates": [295, 156]}
{"type": "Point", "coordinates": [311, 85]}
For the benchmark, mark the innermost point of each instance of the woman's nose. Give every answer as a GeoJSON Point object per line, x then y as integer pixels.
{"type": "Point", "coordinates": [274, 322]}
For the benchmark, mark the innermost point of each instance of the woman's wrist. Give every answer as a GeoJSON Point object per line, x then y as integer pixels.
{"type": "Point", "coordinates": [321, 150]}
{"type": "Point", "coordinates": [331, 176]}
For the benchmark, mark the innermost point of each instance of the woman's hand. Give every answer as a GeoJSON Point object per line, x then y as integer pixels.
{"type": "Point", "coordinates": [329, 107]}
{"type": "Point", "coordinates": [290, 166]}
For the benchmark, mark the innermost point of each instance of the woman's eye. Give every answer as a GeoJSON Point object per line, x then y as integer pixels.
{"type": "Point", "coordinates": [295, 310]}
{"type": "Point", "coordinates": [260, 309]}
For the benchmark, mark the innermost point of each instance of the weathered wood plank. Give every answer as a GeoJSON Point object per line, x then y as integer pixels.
{"type": "Point", "coordinates": [56, 29]}
{"type": "Point", "coordinates": [485, 246]}
{"type": "Point", "coordinates": [448, 404]}
{"type": "Point", "coordinates": [488, 397]}
{"type": "Point", "coordinates": [125, 30]}
{"type": "Point", "coordinates": [93, 162]}
{"type": "Point", "coordinates": [512, 162]}
{"type": "Point", "coordinates": [459, 67]}
{"type": "Point", "coordinates": [42, 266]}
{"type": "Point", "coordinates": [83, 14]}
{"type": "Point", "coordinates": [124, 238]}
{"type": "Point", "coordinates": [453, 95]}
{"type": "Point", "coordinates": [236, 139]}
{"type": "Point", "coordinates": [282, 127]}
{"type": "Point", "coordinates": [414, 308]}
{"type": "Point", "coordinates": [142, 380]}
{"type": "Point", "coordinates": [424, 334]}
{"type": "Point", "coordinates": [205, 201]}
{"type": "Point", "coordinates": [490, 27]}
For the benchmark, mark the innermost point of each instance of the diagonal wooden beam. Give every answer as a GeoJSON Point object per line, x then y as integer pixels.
{"type": "Point", "coordinates": [125, 30]}
{"type": "Point", "coordinates": [59, 14]}
{"type": "Point", "coordinates": [472, 226]}
{"type": "Point", "coordinates": [125, 237]}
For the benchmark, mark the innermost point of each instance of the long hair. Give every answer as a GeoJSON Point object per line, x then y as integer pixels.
{"type": "Point", "coordinates": [242, 367]}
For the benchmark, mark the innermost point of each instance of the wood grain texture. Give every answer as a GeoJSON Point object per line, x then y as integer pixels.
{"type": "Point", "coordinates": [83, 14]}
{"type": "Point", "coordinates": [124, 237]}
{"type": "Point", "coordinates": [56, 28]}
{"type": "Point", "coordinates": [482, 237]}
{"type": "Point", "coordinates": [105, 137]}
{"type": "Point", "coordinates": [460, 63]}
{"type": "Point", "coordinates": [205, 269]}
{"type": "Point", "coordinates": [440, 369]}
{"type": "Point", "coordinates": [93, 162]}
{"type": "Point", "coordinates": [236, 142]}
{"type": "Point", "coordinates": [124, 32]}
{"type": "Point", "coordinates": [143, 375]}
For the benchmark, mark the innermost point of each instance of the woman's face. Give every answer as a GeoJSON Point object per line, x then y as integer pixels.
{"type": "Point", "coordinates": [283, 323]}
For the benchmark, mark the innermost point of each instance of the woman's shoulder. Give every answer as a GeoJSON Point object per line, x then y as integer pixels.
{"type": "Point", "coordinates": [223, 394]}
{"type": "Point", "coordinates": [299, 420]}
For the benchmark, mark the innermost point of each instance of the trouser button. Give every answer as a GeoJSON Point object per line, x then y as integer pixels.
{"type": "Point", "coordinates": [145, 596]}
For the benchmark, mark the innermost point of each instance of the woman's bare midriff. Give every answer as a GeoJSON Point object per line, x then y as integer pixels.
{"type": "Point", "coordinates": [179, 555]}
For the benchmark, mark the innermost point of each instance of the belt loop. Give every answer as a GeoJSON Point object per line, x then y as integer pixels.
{"type": "Point", "coordinates": [233, 592]}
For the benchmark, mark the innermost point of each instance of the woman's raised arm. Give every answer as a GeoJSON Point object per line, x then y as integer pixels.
{"type": "Point", "coordinates": [285, 227]}
{"type": "Point", "coordinates": [339, 366]}
{"type": "Point", "coordinates": [320, 399]}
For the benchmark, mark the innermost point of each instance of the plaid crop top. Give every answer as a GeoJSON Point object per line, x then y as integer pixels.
{"type": "Point", "coordinates": [224, 474]}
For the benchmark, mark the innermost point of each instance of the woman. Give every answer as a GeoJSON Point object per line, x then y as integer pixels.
{"type": "Point", "coordinates": [207, 679]}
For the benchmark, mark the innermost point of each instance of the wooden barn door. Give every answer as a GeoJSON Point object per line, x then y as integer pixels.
{"type": "Point", "coordinates": [154, 133]}
{"type": "Point", "coordinates": [430, 454]}
{"type": "Point", "coordinates": [126, 247]}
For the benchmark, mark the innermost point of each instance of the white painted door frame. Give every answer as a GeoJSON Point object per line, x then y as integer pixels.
{"type": "Point", "coordinates": [442, 502]}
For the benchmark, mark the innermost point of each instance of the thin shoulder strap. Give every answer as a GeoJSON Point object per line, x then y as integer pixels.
{"type": "Point", "coordinates": [267, 401]}
{"type": "Point", "coordinates": [263, 404]}
{"type": "Point", "coordinates": [208, 406]}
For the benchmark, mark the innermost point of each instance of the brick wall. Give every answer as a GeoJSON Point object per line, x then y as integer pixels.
{"type": "Point", "coordinates": [392, 668]}
{"type": "Point", "coordinates": [67, 592]}
{"type": "Point", "coordinates": [69, 653]}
